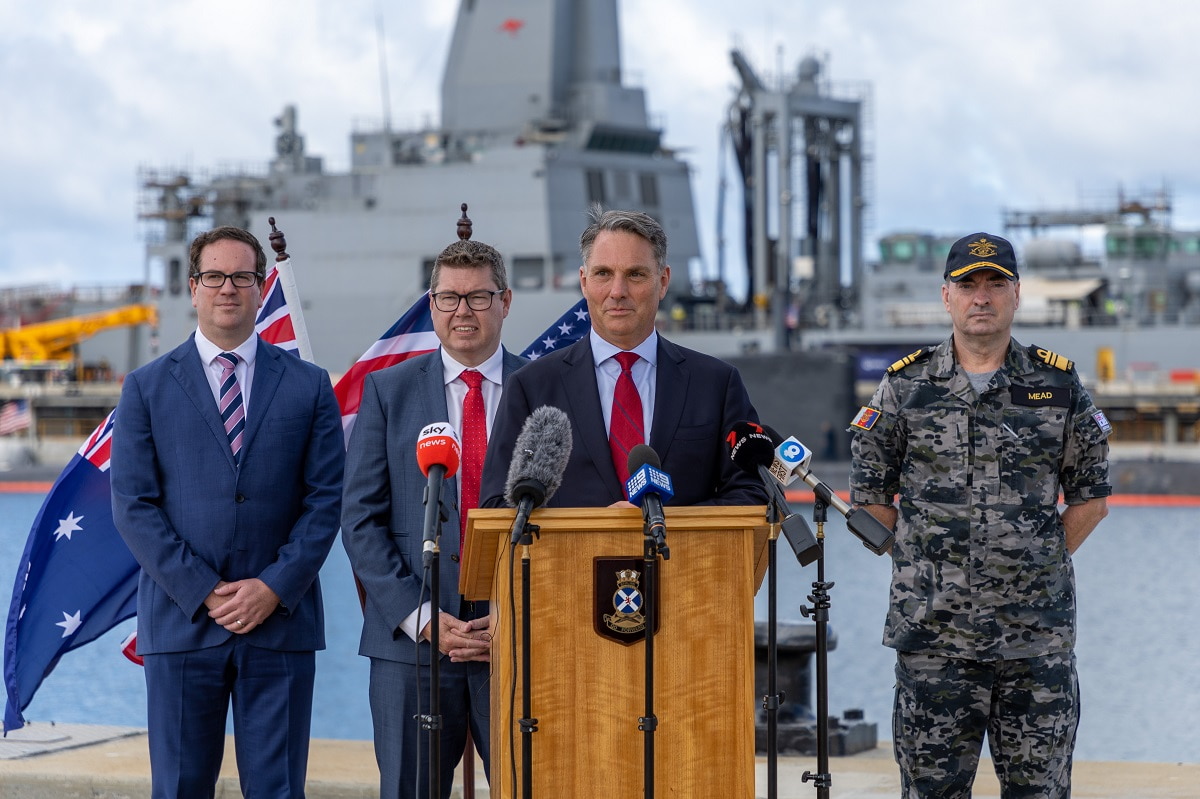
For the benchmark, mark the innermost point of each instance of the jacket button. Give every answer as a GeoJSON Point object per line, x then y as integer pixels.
{"type": "Point", "coordinates": [454, 558]}
{"type": "Point", "coordinates": [239, 499]}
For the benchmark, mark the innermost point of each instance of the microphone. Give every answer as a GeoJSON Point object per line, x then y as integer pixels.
{"type": "Point", "coordinates": [790, 456]}
{"type": "Point", "coordinates": [438, 454]}
{"type": "Point", "coordinates": [752, 448]}
{"type": "Point", "coordinates": [540, 456]}
{"type": "Point", "coordinates": [792, 459]}
{"type": "Point", "coordinates": [647, 487]}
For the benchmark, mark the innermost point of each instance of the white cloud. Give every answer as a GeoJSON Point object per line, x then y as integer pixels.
{"type": "Point", "coordinates": [976, 105]}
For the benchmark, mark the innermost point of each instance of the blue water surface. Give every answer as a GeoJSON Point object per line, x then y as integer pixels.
{"type": "Point", "coordinates": [1139, 642]}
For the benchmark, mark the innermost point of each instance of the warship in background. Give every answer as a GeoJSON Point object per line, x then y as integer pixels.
{"type": "Point", "coordinates": [538, 122]}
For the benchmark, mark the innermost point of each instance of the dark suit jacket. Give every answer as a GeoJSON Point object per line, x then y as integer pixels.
{"type": "Point", "coordinates": [192, 518]}
{"type": "Point", "coordinates": [382, 513]}
{"type": "Point", "coordinates": [697, 400]}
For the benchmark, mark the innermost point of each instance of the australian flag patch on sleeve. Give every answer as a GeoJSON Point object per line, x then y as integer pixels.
{"type": "Point", "coordinates": [866, 418]}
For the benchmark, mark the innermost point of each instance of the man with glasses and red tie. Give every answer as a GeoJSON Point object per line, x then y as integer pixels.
{"type": "Point", "coordinates": [226, 484]}
{"type": "Point", "coordinates": [624, 385]}
{"type": "Point", "coordinates": [383, 519]}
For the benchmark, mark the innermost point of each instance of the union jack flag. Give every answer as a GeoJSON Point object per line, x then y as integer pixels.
{"type": "Point", "coordinates": [77, 579]}
{"type": "Point", "coordinates": [412, 335]}
{"type": "Point", "coordinates": [275, 318]}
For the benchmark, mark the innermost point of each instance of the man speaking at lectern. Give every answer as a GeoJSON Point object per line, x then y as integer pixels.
{"type": "Point", "coordinates": [624, 385]}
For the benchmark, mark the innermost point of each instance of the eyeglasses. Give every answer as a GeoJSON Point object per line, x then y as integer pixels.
{"type": "Point", "coordinates": [448, 301]}
{"type": "Point", "coordinates": [215, 280]}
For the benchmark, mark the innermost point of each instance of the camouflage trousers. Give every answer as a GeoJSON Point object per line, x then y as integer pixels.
{"type": "Point", "coordinates": [1029, 709]}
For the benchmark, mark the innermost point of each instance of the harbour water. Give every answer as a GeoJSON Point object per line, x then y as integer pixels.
{"type": "Point", "coordinates": [1138, 649]}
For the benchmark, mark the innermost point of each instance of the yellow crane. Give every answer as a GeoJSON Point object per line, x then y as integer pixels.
{"type": "Point", "coordinates": [54, 340]}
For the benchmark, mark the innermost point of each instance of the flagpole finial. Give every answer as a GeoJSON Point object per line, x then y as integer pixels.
{"type": "Point", "coordinates": [464, 224]}
{"type": "Point", "coordinates": [278, 242]}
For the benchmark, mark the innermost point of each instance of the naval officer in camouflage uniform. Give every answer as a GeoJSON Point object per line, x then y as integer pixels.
{"type": "Point", "coordinates": [978, 436]}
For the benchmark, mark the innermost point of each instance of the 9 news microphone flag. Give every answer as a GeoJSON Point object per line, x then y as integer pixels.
{"type": "Point", "coordinates": [77, 579]}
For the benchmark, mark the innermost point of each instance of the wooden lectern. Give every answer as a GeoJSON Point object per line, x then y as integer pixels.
{"type": "Point", "coordinates": [588, 691]}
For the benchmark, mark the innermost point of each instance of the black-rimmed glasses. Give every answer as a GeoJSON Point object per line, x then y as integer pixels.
{"type": "Point", "coordinates": [448, 301]}
{"type": "Point", "coordinates": [215, 280]}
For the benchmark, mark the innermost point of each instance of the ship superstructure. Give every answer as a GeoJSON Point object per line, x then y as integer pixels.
{"type": "Point", "coordinates": [537, 123]}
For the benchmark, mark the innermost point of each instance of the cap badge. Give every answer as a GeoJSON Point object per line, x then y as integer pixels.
{"type": "Point", "coordinates": [982, 248]}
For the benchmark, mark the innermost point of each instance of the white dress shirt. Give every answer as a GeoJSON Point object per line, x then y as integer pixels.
{"type": "Point", "coordinates": [643, 373]}
{"type": "Point", "coordinates": [456, 390]}
{"type": "Point", "coordinates": [246, 351]}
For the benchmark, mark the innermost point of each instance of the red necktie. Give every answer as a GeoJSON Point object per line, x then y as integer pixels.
{"type": "Point", "coordinates": [474, 444]}
{"type": "Point", "coordinates": [625, 425]}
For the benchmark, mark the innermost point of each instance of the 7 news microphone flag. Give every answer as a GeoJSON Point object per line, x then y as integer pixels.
{"type": "Point", "coordinates": [77, 579]}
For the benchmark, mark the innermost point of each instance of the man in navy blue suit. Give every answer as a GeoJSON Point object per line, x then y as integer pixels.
{"type": "Point", "coordinates": [383, 520]}
{"type": "Point", "coordinates": [684, 404]}
{"type": "Point", "coordinates": [227, 465]}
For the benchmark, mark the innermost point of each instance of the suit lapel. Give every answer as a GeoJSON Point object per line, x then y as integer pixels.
{"type": "Point", "coordinates": [670, 390]}
{"type": "Point", "coordinates": [583, 394]}
{"type": "Point", "coordinates": [268, 371]}
{"type": "Point", "coordinates": [188, 371]}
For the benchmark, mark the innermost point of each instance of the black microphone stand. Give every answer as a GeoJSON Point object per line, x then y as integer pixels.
{"type": "Point", "coordinates": [527, 723]}
{"type": "Point", "coordinates": [774, 698]}
{"type": "Point", "coordinates": [819, 612]}
{"type": "Point", "coordinates": [654, 542]}
{"type": "Point", "coordinates": [435, 514]}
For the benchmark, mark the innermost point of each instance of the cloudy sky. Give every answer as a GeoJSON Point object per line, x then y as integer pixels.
{"type": "Point", "coordinates": [977, 105]}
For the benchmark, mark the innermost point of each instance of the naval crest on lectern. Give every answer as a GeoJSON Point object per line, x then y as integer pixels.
{"type": "Point", "coordinates": [619, 611]}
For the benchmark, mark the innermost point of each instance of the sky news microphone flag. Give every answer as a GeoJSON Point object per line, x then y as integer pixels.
{"type": "Point", "coordinates": [77, 579]}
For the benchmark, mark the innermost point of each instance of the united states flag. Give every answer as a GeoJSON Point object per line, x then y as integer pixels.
{"type": "Point", "coordinates": [15, 416]}
{"type": "Point", "coordinates": [566, 330]}
{"type": "Point", "coordinates": [77, 579]}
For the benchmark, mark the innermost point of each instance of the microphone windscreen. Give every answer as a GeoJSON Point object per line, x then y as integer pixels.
{"type": "Point", "coordinates": [749, 446]}
{"type": "Point", "coordinates": [437, 444]}
{"type": "Point", "coordinates": [641, 455]}
{"type": "Point", "coordinates": [540, 456]}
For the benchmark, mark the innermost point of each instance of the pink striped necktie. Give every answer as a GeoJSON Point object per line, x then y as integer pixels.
{"type": "Point", "coordinates": [233, 410]}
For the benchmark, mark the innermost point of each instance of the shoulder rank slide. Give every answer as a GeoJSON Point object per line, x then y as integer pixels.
{"type": "Point", "coordinates": [866, 418]}
{"type": "Point", "coordinates": [908, 359]}
{"type": "Point", "coordinates": [1051, 358]}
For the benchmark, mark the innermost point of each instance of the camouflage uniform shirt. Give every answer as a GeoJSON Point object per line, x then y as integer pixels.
{"type": "Point", "coordinates": [980, 568]}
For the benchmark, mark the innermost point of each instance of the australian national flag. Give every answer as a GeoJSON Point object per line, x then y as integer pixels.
{"type": "Point", "coordinates": [77, 579]}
